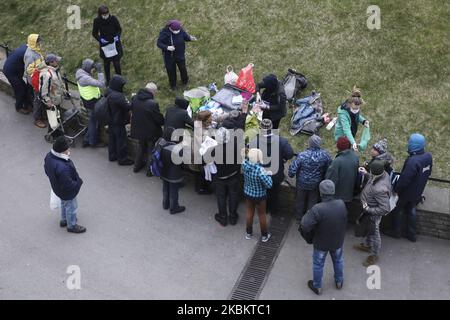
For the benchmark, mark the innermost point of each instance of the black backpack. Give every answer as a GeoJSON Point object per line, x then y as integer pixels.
{"type": "Point", "coordinates": [102, 111]}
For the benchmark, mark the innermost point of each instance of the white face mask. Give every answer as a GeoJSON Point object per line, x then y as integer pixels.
{"type": "Point", "coordinates": [105, 16]}
{"type": "Point", "coordinates": [175, 32]}
{"type": "Point", "coordinates": [354, 111]}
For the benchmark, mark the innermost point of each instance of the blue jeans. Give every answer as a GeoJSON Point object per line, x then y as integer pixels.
{"type": "Point", "coordinates": [408, 208]}
{"type": "Point", "coordinates": [319, 258]}
{"type": "Point", "coordinates": [69, 212]}
{"type": "Point", "coordinates": [91, 136]}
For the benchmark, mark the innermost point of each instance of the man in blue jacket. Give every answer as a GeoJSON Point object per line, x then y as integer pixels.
{"type": "Point", "coordinates": [65, 183]}
{"type": "Point", "coordinates": [172, 41]}
{"type": "Point", "coordinates": [13, 70]}
{"type": "Point", "coordinates": [410, 186]}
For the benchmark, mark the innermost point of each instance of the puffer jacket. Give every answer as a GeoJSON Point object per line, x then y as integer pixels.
{"type": "Point", "coordinates": [376, 194]}
{"type": "Point", "coordinates": [33, 56]}
{"type": "Point", "coordinates": [310, 167]}
{"type": "Point", "coordinates": [85, 79]}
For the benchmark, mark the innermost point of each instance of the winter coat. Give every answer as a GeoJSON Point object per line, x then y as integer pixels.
{"type": "Point", "coordinates": [107, 29]}
{"type": "Point", "coordinates": [328, 222]}
{"type": "Point", "coordinates": [14, 64]}
{"type": "Point", "coordinates": [118, 103]}
{"type": "Point", "coordinates": [51, 85]}
{"type": "Point", "coordinates": [85, 79]}
{"type": "Point", "coordinates": [256, 181]}
{"type": "Point", "coordinates": [167, 38]}
{"type": "Point", "coordinates": [146, 119]}
{"type": "Point", "coordinates": [63, 176]}
{"type": "Point", "coordinates": [33, 56]}
{"type": "Point", "coordinates": [414, 176]}
{"type": "Point", "coordinates": [343, 171]}
{"type": "Point", "coordinates": [171, 172]}
{"type": "Point", "coordinates": [376, 194]}
{"type": "Point", "coordinates": [285, 153]}
{"type": "Point", "coordinates": [344, 124]}
{"type": "Point", "coordinates": [277, 103]}
{"type": "Point", "coordinates": [310, 167]}
{"type": "Point", "coordinates": [388, 160]}
{"type": "Point", "coordinates": [177, 117]}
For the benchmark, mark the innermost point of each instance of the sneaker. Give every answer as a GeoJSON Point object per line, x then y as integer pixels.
{"type": "Point", "coordinates": [63, 223]}
{"type": "Point", "coordinates": [371, 260]}
{"type": "Point", "coordinates": [266, 238]}
{"type": "Point", "coordinates": [220, 220]}
{"type": "Point", "coordinates": [361, 247]}
{"type": "Point", "coordinates": [339, 285]}
{"type": "Point", "coordinates": [126, 162]}
{"type": "Point", "coordinates": [317, 291]}
{"type": "Point", "coordinates": [40, 124]}
{"type": "Point", "coordinates": [248, 236]}
{"type": "Point", "coordinates": [178, 210]}
{"type": "Point", "coordinates": [76, 229]}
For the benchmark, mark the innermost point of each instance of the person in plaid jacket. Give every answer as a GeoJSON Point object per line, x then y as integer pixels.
{"type": "Point", "coordinates": [256, 183]}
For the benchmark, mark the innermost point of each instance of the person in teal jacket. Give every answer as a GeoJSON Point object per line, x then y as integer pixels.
{"type": "Point", "coordinates": [349, 116]}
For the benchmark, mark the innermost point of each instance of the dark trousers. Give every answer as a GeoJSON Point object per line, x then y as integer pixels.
{"type": "Point", "coordinates": [38, 108]}
{"type": "Point", "coordinates": [107, 64]}
{"type": "Point", "coordinates": [170, 195]}
{"type": "Point", "coordinates": [171, 68]}
{"type": "Point", "coordinates": [145, 146]}
{"type": "Point", "coordinates": [276, 123]}
{"type": "Point", "coordinates": [21, 91]}
{"type": "Point", "coordinates": [228, 189]}
{"type": "Point", "coordinates": [273, 204]}
{"type": "Point", "coordinates": [117, 143]}
{"type": "Point", "coordinates": [404, 215]}
{"type": "Point", "coordinates": [305, 200]}
{"type": "Point", "coordinates": [201, 184]}
{"type": "Point", "coordinates": [92, 135]}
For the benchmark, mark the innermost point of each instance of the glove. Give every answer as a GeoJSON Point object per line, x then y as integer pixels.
{"type": "Point", "coordinates": [193, 38]}
{"type": "Point", "coordinates": [355, 147]}
{"type": "Point", "coordinates": [98, 67]}
{"type": "Point", "coordinates": [170, 48]}
{"type": "Point", "coordinates": [116, 39]}
{"type": "Point", "coordinates": [103, 41]}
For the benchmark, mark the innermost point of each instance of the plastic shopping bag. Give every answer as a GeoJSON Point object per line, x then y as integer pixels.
{"type": "Point", "coordinates": [55, 202]}
{"type": "Point", "coordinates": [230, 77]}
{"type": "Point", "coordinates": [365, 138]}
{"type": "Point", "coordinates": [245, 80]}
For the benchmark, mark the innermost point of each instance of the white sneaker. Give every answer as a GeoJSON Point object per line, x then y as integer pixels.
{"type": "Point", "coordinates": [266, 238]}
{"type": "Point", "coordinates": [248, 236]}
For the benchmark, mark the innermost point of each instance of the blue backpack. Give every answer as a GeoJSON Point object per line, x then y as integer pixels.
{"type": "Point", "coordinates": [156, 164]}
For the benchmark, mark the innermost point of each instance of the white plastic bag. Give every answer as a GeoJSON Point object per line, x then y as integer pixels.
{"type": "Point", "coordinates": [53, 116]}
{"type": "Point", "coordinates": [393, 199]}
{"type": "Point", "coordinates": [110, 50]}
{"type": "Point", "coordinates": [230, 77]}
{"type": "Point", "coordinates": [55, 202]}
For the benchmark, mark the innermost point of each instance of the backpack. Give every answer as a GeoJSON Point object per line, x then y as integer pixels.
{"type": "Point", "coordinates": [293, 82]}
{"type": "Point", "coordinates": [102, 111]}
{"type": "Point", "coordinates": [156, 164]}
{"type": "Point", "coordinates": [36, 80]}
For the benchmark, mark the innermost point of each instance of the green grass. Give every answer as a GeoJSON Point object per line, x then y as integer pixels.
{"type": "Point", "coordinates": [403, 69]}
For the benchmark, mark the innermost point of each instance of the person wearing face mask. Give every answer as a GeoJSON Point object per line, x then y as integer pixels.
{"type": "Point", "coordinates": [171, 41]}
{"type": "Point", "coordinates": [349, 116]}
{"type": "Point", "coordinates": [65, 183]}
{"type": "Point", "coordinates": [107, 31]}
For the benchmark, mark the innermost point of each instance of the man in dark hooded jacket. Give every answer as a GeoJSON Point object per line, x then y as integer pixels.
{"type": "Point", "coordinates": [119, 108]}
{"type": "Point", "coordinates": [177, 116]}
{"type": "Point", "coordinates": [275, 95]}
{"type": "Point", "coordinates": [146, 123]}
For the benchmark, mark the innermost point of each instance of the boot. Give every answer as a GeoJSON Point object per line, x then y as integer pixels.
{"type": "Point", "coordinates": [371, 260]}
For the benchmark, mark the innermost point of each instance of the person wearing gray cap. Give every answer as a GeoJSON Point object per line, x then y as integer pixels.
{"type": "Point", "coordinates": [324, 226]}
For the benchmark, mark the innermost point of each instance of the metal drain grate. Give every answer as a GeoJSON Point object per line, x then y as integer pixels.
{"type": "Point", "coordinates": [255, 273]}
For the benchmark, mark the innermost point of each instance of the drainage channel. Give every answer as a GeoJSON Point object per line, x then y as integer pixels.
{"type": "Point", "coordinates": [258, 267]}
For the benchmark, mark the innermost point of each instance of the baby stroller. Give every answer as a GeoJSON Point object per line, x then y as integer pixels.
{"type": "Point", "coordinates": [308, 115]}
{"type": "Point", "coordinates": [65, 122]}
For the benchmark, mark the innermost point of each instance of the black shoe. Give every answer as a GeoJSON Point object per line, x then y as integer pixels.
{"type": "Point", "coordinates": [339, 285]}
{"type": "Point", "coordinates": [411, 238]}
{"type": "Point", "coordinates": [220, 220]}
{"type": "Point", "coordinates": [76, 229]}
{"type": "Point", "coordinates": [203, 192]}
{"type": "Point", "coordinates": [317, 291]}
{"type": "Point", "coordinates": [112, 159]}
{"type": "Point", "coordinates": [177, 210]}
{"type": "Point", "coordinates": [149, 173]}
{"type": "Point", "coordinates": [138, 168]}
{"type": "Point", "coordinates": [63, 223]}
{"type": "Point", "coordinates": [127, 162]}
{"type": "Point", "coordinates": [234, 220]}
{"type": "Point", "coordinates": [391, 234]}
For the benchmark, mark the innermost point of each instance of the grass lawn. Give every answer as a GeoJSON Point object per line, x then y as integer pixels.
{"type": "Point", "coordinates": [403, 69]}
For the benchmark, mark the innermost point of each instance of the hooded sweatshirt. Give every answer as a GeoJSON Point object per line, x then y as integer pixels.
{"type": "Point", "coordinates": [88, 86]}
{"type": "Point", "coordinates": [119, 105]}
{"type": "Point", "coordinates": [33, 56]}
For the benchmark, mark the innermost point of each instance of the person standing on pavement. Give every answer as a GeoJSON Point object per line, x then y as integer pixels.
{"type": "Point", "coordinates": [375, 203]}
{"type": "Point", "coordinates": [146, 122]}
{"type": "Point", "coordinates": [90, 92]}
{"type": "Point", "coordinates": [120, 109]}
{"type": "Point", "coordinates": [275, 95]}
{"type": "Point", "coordinates": [172, 42]}
{"type": "Point", "coordinates": [33, 58]}
{"type": "Point", "coordinates": [65, 183]}
{"type": "Point", "coordinates": [410, 186]}
{"type": "Point", "coordinates": [379, 151]}
{"type": "Point", "coordinates": [309, 167]}
{"type": "Point", "coordinates": [107, 31]}
{"type": "Point", "coordinates": [14, 69]}
{"type": "Point", "coordinates": [343, 171]}
{"type": "Point", "coordinates": [326, 224]}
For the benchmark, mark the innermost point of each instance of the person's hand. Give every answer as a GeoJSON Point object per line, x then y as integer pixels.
{"type": "Point", "coordinates": [170, 48]}
{"type": "Point", "coordinates": [116, 39]}
{"type": "Point", "coordinates": [362, 170]}
{"type": "Point", "coordinates": [366, 124]}
{"type": "Point", "coordinates": [355, 147]}
{"type": "Point", "coordinates": [98, 67]}
{"type": "Point", "coordinates": [365, 206]}
{"type": "Point", "coordinates": [193, 38]}
{"type": "Point", "coordinates": [103, 41]}
{"type": "Point", "coordinates": [269, 173]}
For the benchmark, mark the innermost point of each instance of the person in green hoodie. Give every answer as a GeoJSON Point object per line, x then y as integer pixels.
{"type": "Point", "coordinates": [349, 116]}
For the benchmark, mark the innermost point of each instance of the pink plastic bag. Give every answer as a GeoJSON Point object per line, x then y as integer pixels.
{"type": "Point", "coordinates": [245, 80]}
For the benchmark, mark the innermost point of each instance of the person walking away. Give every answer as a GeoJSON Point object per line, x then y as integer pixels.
{"type": "Point", "coordinates": [14, 69]}
{"type": "Point", "coordinates": [326, 222]}
{"type": "Point", "coordinates": [146, 122]}
{"type": "Point", "coordinates": [410, 186]}
{"type": "Point", "coordinates": [275, 96]}
{"type": "Point", "coordinates": [65, 183]}
{"type": "Point", "coordinates": [119, 108]}
{"type": "Point", "coordinates": [33, 58]}
{"type": "Point", "coordinates": [172, 42]}
{"type": "Point", "coordinates": [349, 116]}
{"type": "Point", "coordinates": [309, 168]}
{"type": "Point", "coordinates": [256, 183]}
{"type": "Point", "coordinates": [90, 92]}
{"type": "Point", "coordinates": [343, 171]}
{"type": "Point", "coordinates": [375, 203]}
{"type": "Point", "coordinates": [107, 31]}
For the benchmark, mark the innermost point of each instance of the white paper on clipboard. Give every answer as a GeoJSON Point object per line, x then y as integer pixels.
{"type": "Point", "coordinates": [110, 50]}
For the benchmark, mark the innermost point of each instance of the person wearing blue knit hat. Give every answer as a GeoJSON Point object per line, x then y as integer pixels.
{"type": "Point", "coordinates": [413, 179]}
